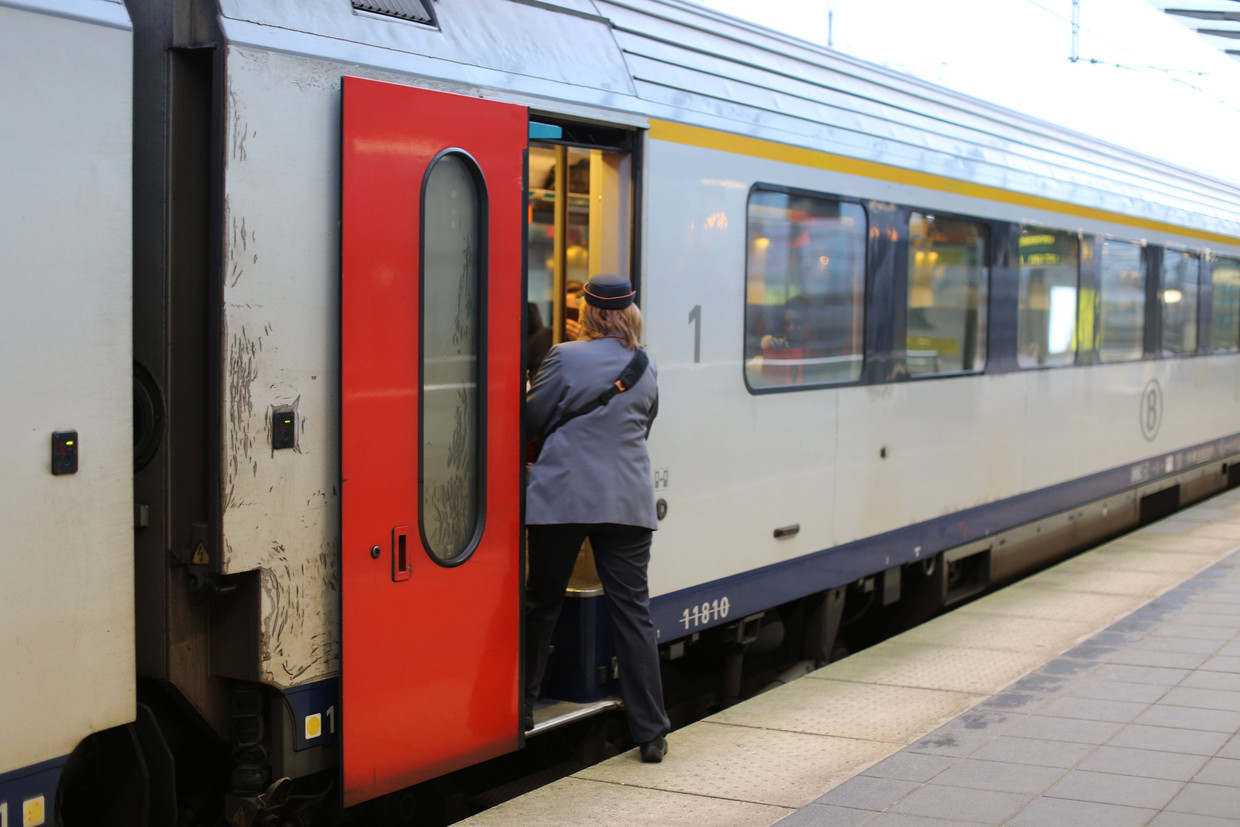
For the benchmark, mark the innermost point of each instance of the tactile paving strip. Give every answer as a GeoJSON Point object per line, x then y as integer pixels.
{"type": "Point", "coordinates": [580, 802]}
{"type": "Point", "coordinates": [1004, 633]}
{"type": "Point", "coordinates": [759, 765]}
{"type": "Point", "coordinates": [1103, 581]}
{"type": "Point", "coordinates": [872, 711]}
{"type": "Point", "coordinates": [974, 671]}
{"type": "Point", "coordinates": [1165, 561]}
{"type": "Point", "coordinates": [1032, 600]}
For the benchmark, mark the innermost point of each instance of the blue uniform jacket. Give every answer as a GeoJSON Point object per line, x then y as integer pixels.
{"type": "Point", "coordinates": [594, 468]}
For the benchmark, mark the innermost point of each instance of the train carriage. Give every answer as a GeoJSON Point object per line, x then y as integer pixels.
{"type": "Point", "coordinates": [66, 604]}
{"type": "Point", "coordinates": [911, 346]}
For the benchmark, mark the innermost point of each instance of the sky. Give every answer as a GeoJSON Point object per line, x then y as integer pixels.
{"type": "Point", "coordinates": [1143, 80]}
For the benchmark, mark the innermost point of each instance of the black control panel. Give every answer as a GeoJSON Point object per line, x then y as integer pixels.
{"type": "Point", "coordinates": [64, 452]}
{"type": "Point", "coordinates": [283, 429]}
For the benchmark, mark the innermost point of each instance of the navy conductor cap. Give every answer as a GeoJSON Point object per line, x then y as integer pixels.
{"type": "Point", "coordinates": [609, 292]}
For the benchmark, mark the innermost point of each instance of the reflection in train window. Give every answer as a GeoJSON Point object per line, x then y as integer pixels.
{"type": "Point", "coordinates": [805, 290]}
{"type": "Point", "coordinates": [1181, 273]}
{"type": "Point", "coordinates": [1121, 302]}
{"type": "Point", "coordinates": [453, 246]}
{"type": "Point", "coordinates": [947, 281]}
{"type": "Point", "coordinates": [1050, 265]}
{"type": "Point", "coordinates": [1225, 305]}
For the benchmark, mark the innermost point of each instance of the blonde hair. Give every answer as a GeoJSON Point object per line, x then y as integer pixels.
{"type": "Point", "coordinates": [626, 323]}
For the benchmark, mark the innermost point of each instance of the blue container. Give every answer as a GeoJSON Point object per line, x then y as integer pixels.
{"type": "Point", "coordinates": [580, 668]}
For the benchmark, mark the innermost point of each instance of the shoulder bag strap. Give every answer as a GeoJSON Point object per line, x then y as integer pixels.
{"type": "Point", "coordinates": [628, 378]}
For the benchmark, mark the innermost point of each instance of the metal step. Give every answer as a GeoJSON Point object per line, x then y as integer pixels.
{"type": "Point", "coordinates": [549, 715]}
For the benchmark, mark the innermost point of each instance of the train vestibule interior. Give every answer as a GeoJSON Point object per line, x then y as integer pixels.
{"type": "Point", "coordinates": [580, 223]}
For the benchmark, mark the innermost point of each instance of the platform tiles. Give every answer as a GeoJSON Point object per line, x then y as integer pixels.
{"type": "Point", "coordinates": [929, 699]}
{"type": "Point", "coordinates": [1138, 725]}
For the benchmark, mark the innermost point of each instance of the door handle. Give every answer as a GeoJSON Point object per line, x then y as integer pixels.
{"type": "Point", "coordinates": [401, 567]}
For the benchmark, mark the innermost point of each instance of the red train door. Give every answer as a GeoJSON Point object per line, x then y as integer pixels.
{"type": "Point", "coordinates": [431, 387]}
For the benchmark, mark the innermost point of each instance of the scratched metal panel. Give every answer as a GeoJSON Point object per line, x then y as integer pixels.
{"type": "Point", "coordinates": [280, 340]}
{"type": "Point", "coordinates": [66, 542]}
{"type": "Point", "coordinates": [525, 45]}
{"type": "Point", "coordinates": [280, 347]}
{"type": "Point", "coordinates": [281, 272]}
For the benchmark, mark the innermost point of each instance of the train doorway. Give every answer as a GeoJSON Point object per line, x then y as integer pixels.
{"type": "Point", "coordinates": [581, 215]}
{"type": "Point", "coordinates": [432, 220]}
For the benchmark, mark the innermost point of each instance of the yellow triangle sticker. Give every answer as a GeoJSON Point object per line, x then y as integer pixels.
{"type": "Point", "coordinates": [201, 558]}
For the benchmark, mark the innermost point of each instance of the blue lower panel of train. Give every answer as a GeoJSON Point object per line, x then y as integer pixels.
{"type": "Point", "coordinates": [27, 795]}
{"type": "Point", "coordinates": [691, 610]}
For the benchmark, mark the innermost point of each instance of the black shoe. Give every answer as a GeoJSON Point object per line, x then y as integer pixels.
{"type": "Point", "coordinates": [653, 751]}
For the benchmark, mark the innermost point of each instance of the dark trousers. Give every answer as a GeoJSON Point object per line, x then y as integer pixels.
{"type": "Point", "coordinates": [621, 554]}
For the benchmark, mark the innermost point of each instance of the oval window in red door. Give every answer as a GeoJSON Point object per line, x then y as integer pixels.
{"type": "Point", "coordinates": [453, 245]}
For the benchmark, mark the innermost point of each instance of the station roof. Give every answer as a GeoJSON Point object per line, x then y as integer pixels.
{"type": "Point", "coordinates": [1216, 21]}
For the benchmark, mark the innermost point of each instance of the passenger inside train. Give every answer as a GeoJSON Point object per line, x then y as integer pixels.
{"type": "Point", "coordinates": [783, 352]}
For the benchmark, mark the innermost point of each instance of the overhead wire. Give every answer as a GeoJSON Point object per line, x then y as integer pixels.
{"type": "Point", "coordinates": [1099, 36]}
{"type": "Point", "coordinates": [1168, 72]}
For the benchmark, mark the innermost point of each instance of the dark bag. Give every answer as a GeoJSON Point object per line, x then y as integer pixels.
{"type": "Point", "coordinates": [628, 378]}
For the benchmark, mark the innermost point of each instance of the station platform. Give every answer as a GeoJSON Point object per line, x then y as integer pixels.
{"type": "Point", "coordinates": [1104, 690]}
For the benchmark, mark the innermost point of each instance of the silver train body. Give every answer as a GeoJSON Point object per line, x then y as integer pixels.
{"type": "Point", "coordinates": [173, 224]}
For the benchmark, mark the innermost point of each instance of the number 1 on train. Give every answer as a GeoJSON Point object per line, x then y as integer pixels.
{"type": "Point", "coordinates": [695, 319]}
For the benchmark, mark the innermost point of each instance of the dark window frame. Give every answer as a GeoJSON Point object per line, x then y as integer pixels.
{"type": "Point", "coordinates": [1081, 242]}
{"type": "Point", "coordinates": [1160, 351]}
{"type": "Point", "coordinates": [1148, 280]}
{"type": "Point", "coordinates": [888, 274]}
{"type": "Point", "coordinates": [1213, 321]}
{"type": "Point", "coordinates": [867, 288]}
{"type": "Point", "coordinates": [988, 258]}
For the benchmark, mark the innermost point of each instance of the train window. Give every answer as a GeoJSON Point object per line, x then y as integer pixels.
{"type": "Point", "coordinates": [1050, 264]}
{"type": "Point", "coordinates": [1121, 302]}
{"type": "Point", "coordinates": [805, 290]}
{"type": "Point", "coordinates": [453, 245]}
{"type": "Point", "coordinates": [1225, 305]}
{"type": "Point", "coordinates": [947, 285]}
{"type": "Point", "coordinates": [1181, 273]}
